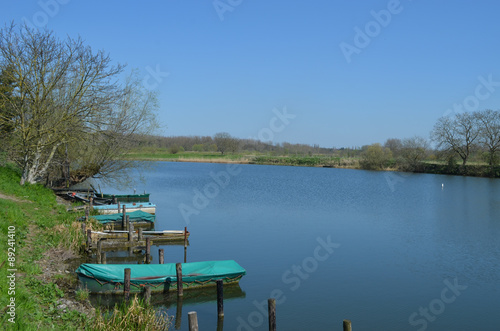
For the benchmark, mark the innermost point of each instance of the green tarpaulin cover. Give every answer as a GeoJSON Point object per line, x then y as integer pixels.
{"type": "Point", "coordinates": [159, 273]}
{"type": "Point", "coordinates": [134, 216]}
{"type": "Point", "coordinates": [130, 205]}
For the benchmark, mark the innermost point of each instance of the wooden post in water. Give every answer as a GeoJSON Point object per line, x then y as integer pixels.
{"type": "Point", "coordinates": [139, 234]}
{"type": "Point", "coordinates": [126, 284]}
{"type": "Point", "coordinates": [147, 294]}
{"type": "Point", "coordinates": [193, 321]}
{"type": "Point", "coordinates": [118, 203]}
{"type": "Point", "coordinates": [87, 214]}
{"type": "Point", "coordinates": [148, 250]}
{"type": "Point", "coordinates": [89, 239]}
{"type": "Point", "coordinates": [127, 221]}
{"type": "Point", "coordinates": [124, 217]}
{"type": "Point", "coordinates": [178, 314]}
{"type": "Point", "coordinates": [178, 272]}
{"type": "Point", "coordinates": [271, 309]}
{"type": "Point", "coordinates": [220, 298]}
{"type": "Point", "coordinates": [161, 256]}
{"type": "Point", "coordinates": [185, 244]}
{"type": "Point", "coordinates": [98, 253]}
{"type": "Point", "coordinates": [347, 325]}
{"type": "Point", "coordinates": [103, 257]}
{"type": "Point", "coordinates": [130, 231]}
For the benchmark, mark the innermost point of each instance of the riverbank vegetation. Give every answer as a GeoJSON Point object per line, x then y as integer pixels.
{"type": "Point", "coordinates": [43, 257]}
{"type": "Point", "coordinates": [464, 144]}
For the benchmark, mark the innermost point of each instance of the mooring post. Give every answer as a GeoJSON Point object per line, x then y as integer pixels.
{"type": "Point", "coordinates": [124, 216]}
{"type": "Point", "coordinates": [126, 284]}
{"type": "Point", "coordinates": [161, 257]}
{"type": "Point", "coordinates": [114, 200]}
{"type": "Point", "coordinates": [103, 257]}
{"type": "Point", "coordinates": [185, 244]}
{"type": "Point", "coordinates": [220, 324]}
{"type": "Point", "coordinates": [178, 314]}
{"type": "Point", "coordinates": [118, 204]}
{"type": "Point", "coordinates": [139, 234]}
{"type": "Point", "coordinates": [130, 231]}
{"type": "Point", "coordinates": [148, 250]}
{"type": "Point", "coordinates": [127, 221]}
{"type": "Point", "coordinates": [271, 309]}
{"type": "Point", "coordinates": [98, 253]}
{"type": "Point", "coordinates": [178, 271]}
{"type": "Point", "coordinates": [84, 228]}
{"type": "Point", "coordinates": [87, 214]}
{"type": "Point", "coordinates": [347, 325]}
{"type": "Point", "coordinates": [91, 203]}
{"type": "Point", "coordinates": [220, 298]}
{"type": "Point", "coordinates": [147, 294]}
{"type": "Point", "coordinates": [89, 239]}
{"type": "Point", "coordinates": [193, 321]}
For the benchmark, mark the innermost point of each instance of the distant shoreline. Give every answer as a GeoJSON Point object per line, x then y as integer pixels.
{"type": "Point", "coordinates": [338, 163]}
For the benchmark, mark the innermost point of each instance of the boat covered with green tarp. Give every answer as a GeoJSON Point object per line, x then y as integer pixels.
{"type": "Point", "coordinates": [109, 278]}
{"type": "Point", "coordinates": [126, 197]}
{"type": "Point", "coordinates": [134, 216]}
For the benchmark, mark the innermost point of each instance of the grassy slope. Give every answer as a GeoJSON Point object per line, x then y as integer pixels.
{"type": "Point", "coordinates": [41, 224]}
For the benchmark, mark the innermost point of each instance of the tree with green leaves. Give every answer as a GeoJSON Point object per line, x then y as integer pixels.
{"type": "Point", "coordinates": [375, 157]}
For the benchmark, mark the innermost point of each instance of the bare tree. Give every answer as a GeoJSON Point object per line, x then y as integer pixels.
{"type": "Point", "coordinates": [395, 145]}
{"type": "Point", "coordinates": [65, 95]}
{"type": "Point", "coordinates": [457, 134]}
{"type": "Point", "coordinates": [226, 143]}
{"type": "Point", "coordinates": [413, 151]}
{"type": "Point", "coordinates": [489, 135]}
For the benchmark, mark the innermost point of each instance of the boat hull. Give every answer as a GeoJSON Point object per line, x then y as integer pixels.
{"type": "Point", "coordinates": [102, 278]}
{"type": "Point", "coordinates": [147, 207]}
{"type": "Point", "coordinates": [127, 197]}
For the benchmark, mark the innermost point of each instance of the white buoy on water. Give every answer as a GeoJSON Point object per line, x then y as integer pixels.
{"type": "Point", "coordinates": [442, 186]}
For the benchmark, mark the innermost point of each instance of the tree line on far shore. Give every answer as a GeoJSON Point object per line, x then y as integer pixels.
{"type": "Point", "coordinates": [457, 138]}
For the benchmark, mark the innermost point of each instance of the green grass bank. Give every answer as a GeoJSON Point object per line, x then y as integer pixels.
{"type": "Point", "coordinates": [39, 250]}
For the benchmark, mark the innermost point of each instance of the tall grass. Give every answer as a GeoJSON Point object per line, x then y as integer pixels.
{"type": "Point", "coordinates": [134, 316]}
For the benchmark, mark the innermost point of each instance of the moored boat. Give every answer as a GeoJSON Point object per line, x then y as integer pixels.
{"type": "Point", "coordinates": [165, 235]}
{"type": "Point", "coordinates": [109, 278]}
{"type": "Point", "coordinates": [137, 216]}
{"type": "Point", "coordinates": [147, 207]}
{"type": "Point", "coordinates": [126, 197]}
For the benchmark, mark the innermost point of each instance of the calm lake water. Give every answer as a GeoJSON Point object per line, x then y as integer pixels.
{"type": "Point", "coordinates": [389, 251]}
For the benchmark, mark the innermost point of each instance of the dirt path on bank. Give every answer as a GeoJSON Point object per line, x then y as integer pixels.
{"type": "Point", "coordinates": [11, 198]}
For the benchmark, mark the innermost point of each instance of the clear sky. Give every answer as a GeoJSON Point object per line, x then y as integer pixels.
{"type": "Point", "coordinates": [346, 73]}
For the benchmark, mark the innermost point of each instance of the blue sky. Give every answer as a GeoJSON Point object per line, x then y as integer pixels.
{"type": "Point", "coordinates": [225, 65]}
